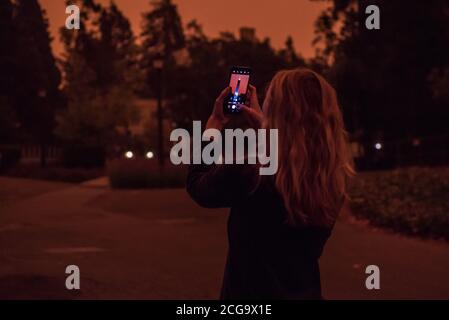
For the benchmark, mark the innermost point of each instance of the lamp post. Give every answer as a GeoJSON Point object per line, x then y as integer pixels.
{"type": "Point", "coordinates": [158, 64]}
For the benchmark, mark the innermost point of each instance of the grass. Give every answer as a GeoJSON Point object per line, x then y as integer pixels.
{"type": "Point", "coordinates": [413, 201]}
{"type": "Point", "coordinates": [142, 173]}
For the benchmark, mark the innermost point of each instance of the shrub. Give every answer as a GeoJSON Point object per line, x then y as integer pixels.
{"type": "Point", "coordinates": [77, 156]}
{"type": "Point", "coordinates": [9, 157]}
{"type": "Point", "coordinates": [70, 175]}
{"type": "Point", "coordinates": [409, 200]}
{"type": "Point", "coordinates": [142, 173]}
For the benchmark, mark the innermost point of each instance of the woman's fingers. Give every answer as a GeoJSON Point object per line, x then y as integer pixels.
{"type": "Point", "coordinates": [254, 117]}
{"type": "Point", "coordinates": [223, 95]}
{"type": "Point", "coordinates": [253, 112]}
{"type": "Point", "coordinates": [254, 101]}
{"type": "Point", "coordinates": [218, 107]}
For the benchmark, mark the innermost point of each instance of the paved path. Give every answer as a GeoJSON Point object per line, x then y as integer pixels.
{"type": "Point", "coordinates": [157, 244]}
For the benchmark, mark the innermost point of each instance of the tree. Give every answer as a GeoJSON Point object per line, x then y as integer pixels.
{"type": "Point", "coordinates": [290, 56]}
{"type": "Point", "coordinates": [100, 66]}
{"type": "Point", "coordinates": [37, 96]}
{"type": "Point", "coordinates": [7, 121]}
{"type": "Point", "coordinates": [8, 50]}
{"type": "Point", "coordinates": [382, 76]}
{"type": "Point", "coordinates": [162, 33]}
{"type": "Point", "coordinates": [162, 36]}
{"type": "Point", "coordinates": [194, 83]}
{"type": "Point", "coordinates": [439, 81]}
{"type": "Point", "coordinates": [8, 67]}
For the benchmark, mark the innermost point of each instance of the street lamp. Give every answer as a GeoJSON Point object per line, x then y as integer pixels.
{"type": "Point", "coordinates": [129, 155]}
{"type": "Point", "coordinates": [150, 155]}
{"type": "Point", "coordinates": [158, 64]}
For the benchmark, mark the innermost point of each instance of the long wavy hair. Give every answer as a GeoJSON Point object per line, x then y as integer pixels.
{"type": "Point", "coordinates": [314, 160]}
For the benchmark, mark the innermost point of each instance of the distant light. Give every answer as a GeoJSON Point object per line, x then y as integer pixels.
{"type": "Point", "coordinates": [378, 146]}
{"type": "Point", "coordinates": [129, 154]}
{"type": "Point", "coordinates": [158, 64]}
{"type": "Point", "coordinates": [150, 155]}
{"type": "Point", "coordinates": [416, 142]}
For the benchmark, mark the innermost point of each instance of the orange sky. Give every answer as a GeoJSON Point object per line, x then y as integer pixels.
{"type": "Point", "coordinates": [272, 18]}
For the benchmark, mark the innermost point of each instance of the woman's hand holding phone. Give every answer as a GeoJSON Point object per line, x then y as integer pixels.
{"type": "Point", "coordinates": [253, 112]}
{"type": "Point", "coordinates": [218, 119]}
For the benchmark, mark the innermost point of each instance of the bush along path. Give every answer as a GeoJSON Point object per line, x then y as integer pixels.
{"type": "Point", "coordinates": [413, 201]}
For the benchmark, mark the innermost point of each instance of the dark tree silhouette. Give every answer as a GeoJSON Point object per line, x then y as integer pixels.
{"type": "Point", "coordinates": [8, 67]}
{"type": "Point", "coordinates": [162, 36]}
{"type": "Point", "coordinates": [388, 79]}
{"type": "Point", "coordinates": [162, 33]}
{"type": "Point", "coordinates": [101, 74]}
{"type": "Point", "coordinates": [8, 49]}
{"type": "Point", "coordinates": [117, 49]}
{"type": "Point", "coordinates": [290, 56]}
{"type": "Point", "coordinates": [37, 95]}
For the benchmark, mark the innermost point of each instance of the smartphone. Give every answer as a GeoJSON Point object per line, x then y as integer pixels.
{"type": "Point", "coordinates": [239, 82]}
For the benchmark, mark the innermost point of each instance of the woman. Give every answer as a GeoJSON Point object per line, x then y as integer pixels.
{"type": "Point", "coordinates": [278, 225]}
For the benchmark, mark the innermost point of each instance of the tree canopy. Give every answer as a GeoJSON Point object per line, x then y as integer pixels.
{"type": "Point", "coordinates": [30, 80]}
{"type": "Point", "coordinates": [390, 81]}
{"type": "Point", "coordinates": [101, 75]}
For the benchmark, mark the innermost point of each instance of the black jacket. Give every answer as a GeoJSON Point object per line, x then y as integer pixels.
{"type": "Point", "coordinates": [267, 258]}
